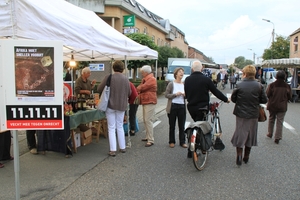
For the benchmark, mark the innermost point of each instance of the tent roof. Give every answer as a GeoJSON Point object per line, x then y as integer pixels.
{"type": "Point", "coordinates": [282, 63]}
{"type": "Point", "coordinates": [83, 33]}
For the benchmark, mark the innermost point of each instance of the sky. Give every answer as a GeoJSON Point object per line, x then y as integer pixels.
{"type": "Point", "coordinates": [227, 29]}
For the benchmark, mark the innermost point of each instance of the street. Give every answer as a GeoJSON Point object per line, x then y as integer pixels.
{"type": "Point", "coordinates": [160, 172]}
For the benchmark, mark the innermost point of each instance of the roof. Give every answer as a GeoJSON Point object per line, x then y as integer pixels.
{"type": "Point", "coordinates": [282, 63]}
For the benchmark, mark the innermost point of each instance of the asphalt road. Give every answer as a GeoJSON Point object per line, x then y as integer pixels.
{"type": "Point", "coordinates": [160, 172]}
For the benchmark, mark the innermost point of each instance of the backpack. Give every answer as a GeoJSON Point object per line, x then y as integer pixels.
{"type": "Point", "coordinates": [232, 79]}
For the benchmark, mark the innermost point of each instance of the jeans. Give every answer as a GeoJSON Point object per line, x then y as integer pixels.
{"type": "Point", "coordinates": [132, 116]}
{"type": "Point", "coordinates": [177, 111]}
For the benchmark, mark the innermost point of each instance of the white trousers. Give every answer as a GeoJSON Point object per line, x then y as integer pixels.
{"type": "Point", "coordinates": [115, 122]}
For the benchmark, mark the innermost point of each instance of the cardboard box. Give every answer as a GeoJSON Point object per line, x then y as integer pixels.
{"type": "Point", "coordinates": [77, 140]}
{"type": "Point", "coordinates": [86, 137]}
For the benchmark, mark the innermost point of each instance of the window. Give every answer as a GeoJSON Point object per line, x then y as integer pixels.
{"type": "Point", "coordinates": [153, 38]}
{"type": "Point", "coordinates": [145, 31]}
{"type": "Point", "coordinates": [296, 44]}
{"type": "Point", "coordinates": [158, 40]}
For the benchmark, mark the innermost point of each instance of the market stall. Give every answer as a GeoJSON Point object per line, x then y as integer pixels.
{"type": "Point", "coordinates": [291, 64]}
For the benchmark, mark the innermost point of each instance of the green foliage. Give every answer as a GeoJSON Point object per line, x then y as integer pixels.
{"type": "Point", "coordinates": [143, 40]}
{"type": "Point", "coordinates": [165, 52]}
{"type": "Point", "coordinates": [280, 48]}
{"type": "Point", "coordinates": [240, 62]}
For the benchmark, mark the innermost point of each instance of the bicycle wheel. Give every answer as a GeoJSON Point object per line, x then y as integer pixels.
{"type": "Point", "coordinates": [199, 158]}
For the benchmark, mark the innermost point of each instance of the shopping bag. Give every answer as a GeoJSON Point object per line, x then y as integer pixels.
{"type": "Point", "coordinates": [262, 114]}
{"type": "Point", "coordinates": [102, 106]}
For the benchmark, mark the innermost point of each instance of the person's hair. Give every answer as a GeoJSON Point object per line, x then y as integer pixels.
{"type": "Point", "coordinates": [177, 70]}
{"type": "Point", "coordinates": [118, 66]}
{"type": "Point", "coordinates": [146, 68]}
{"type": "Point", "coordinates": [280, 75]}
{"type": "Point", "coordinates": [249, 71]}
{"type": "Point", "coordinates": [197, 66]}
{"type": "Point", "coordinates": [85, 70]}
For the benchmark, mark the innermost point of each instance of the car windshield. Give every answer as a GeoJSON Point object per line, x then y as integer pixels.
{"type": "Point", "coordinates": [187, 69]}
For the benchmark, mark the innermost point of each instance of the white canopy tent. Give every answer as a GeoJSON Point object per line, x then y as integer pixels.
{"type": "Point", "coordinates": [84, 34]}
{"type": "Point", "coordinates": [282, 63]}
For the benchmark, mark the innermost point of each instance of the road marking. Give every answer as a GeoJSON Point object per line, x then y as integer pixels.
{"type": "Point", "coordinates": [292, 129]}
{"type": "Point", "coordinates": [156, 123]}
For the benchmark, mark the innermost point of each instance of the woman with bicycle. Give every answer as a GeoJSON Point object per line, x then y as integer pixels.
{"type": "Point", "coordinates": [176, 107]}
{"type": "Point", "coordinates": [247, 96]}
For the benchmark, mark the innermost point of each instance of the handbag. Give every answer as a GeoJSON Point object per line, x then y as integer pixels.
{"type": "Point", "coordinates": [137, 100]}
{"type": "Point", "coordinates": [262, 114]}
{"type": "Point", "coordinates": [102, 106]}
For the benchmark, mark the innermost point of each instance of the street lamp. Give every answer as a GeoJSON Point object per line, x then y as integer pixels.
{"type": "Point", "coordinates": [253, 55]}
{"type": "Point", "coordinates": [273, 32]}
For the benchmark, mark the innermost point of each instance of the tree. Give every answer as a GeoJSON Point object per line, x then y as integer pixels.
{"type": "Point", "coordinates": [143, 40]}
{"type": "Point", "coordinates": [240, 62]}
{"type": "Point", "coordinates": [280, 48]}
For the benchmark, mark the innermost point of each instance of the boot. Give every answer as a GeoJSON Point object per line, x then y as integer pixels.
{"type": "Point", "coordinates": [239, 152]}
{"type": "Point", "coordinates": [246, 154]}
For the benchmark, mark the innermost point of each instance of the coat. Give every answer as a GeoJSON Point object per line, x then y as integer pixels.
{"type": "Point", "coordinates": [279, 93]}
{"type": "Point", "coordinates": [147, 90]}
{"type": "Point", "coordinates": [247, 96]}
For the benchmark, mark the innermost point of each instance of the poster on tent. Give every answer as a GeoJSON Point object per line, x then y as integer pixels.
{"type": "Point", "coordinates": [33, 85]}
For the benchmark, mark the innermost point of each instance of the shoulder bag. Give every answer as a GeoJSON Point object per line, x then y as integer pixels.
{"type": "Point", "coordinates": [102, 106]}
{"type": "Point", "coordinates": [262, 114]}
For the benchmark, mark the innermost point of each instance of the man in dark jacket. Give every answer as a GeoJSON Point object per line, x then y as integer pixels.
{"type": "Point", "coordinates": [279, 93]}
{"type": "Point", "coordinates": [197, 87]}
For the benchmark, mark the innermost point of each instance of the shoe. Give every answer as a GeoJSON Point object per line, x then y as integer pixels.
{"type": "Point", "coordinates": [144, 139]}
{"type": "Point", "coordinates": [269, 136]}
{"type": "Point", "coordinates": [1, 165]}
{"type": "Point", "coordinates": [11, 158]}
{"type": "Point", "coordinates": [171, 145]}
{"type": "Point", "coordinates": [276, 141]}
{"type": "Point", "coordinates": [122, 150]}
{"type": "Point", "coordinates": [112, 153]}
{"type": "Point", "coordinates": [126, 134]}
{"type": "Point", "coordinates": [184, 145]}
{"type": "Point", "coordinates": [132, 133]}
{"type": "Point", "coordinates": [33, 151]}
{"type": "Point", "coordinates": [149, 144]}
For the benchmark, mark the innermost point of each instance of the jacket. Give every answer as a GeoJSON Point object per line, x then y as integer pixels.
{"type": "Point", "coordinates": [147, 90]}
{"type": "Point", "coordinates": [247, 96]}
{"type": "Point", "coordinates": [170, 96]}
{"type": "Point", "coordinates": [279, 93]}
{"type": "Point", "coordinates": [134, 93]}
{"type": "Point", "coordinates": [197, 87]}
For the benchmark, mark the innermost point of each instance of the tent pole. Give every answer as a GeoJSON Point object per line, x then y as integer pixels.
{"type": "Point", "coordinates": [128, 144]}
{"type": "Point", "coordinates": [156, 68]}
{"type": "Point", "coordinates": [16, 163]}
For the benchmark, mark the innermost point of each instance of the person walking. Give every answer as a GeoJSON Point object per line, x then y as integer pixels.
{"type": "Point", "coordinates": [247, 96]}
{"type": "Point", "coordinates": [232, 80]}
{"type": "Point", "coordinates": [176, 107]}
{"type": "Point", "coordinates": [5, 144]}
{"type": "Point", "coordinates": [279, 93]}
{"type": "Point", "coordinates": [117, 104]}
{"type": "Point", "coordinates": [197, 88]}
{"type": "Point", "coordinates": [148, 99]}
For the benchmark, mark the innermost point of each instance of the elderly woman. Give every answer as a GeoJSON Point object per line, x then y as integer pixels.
{"type": "Point", "coordinates": [176, 107]}
{"type": "Point", "coordinates": [148, 99]}
{"type": "Point", "coordinates": [279, 93]}
{"type": "Point", "coordinates": [117, 104]}
{"type": "Point", "coordinates": [247, 96]}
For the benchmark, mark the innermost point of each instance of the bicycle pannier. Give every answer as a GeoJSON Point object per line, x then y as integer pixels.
{"type": "Point", "coordinates": [204, 140]}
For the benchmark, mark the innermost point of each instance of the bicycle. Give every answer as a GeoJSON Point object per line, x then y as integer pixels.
{"type": "Point", "coordinates": [204, 136]}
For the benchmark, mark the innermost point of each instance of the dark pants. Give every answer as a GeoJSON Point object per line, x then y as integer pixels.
{"type": "Point", "coordinates": [232, 85]}
{"type": "Point", "coordinates": [5, 142]}
{"type": "Point", "coordinates": [196, 114]}
{"type": "Point", "coordinates": [132, 116]}
{"type": "Point", "coordinates": [177, 111]}
{"type": "Point", "coordinates": [31, 141]}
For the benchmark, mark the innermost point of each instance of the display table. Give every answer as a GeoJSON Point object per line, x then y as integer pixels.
{"type": "Point", "coordinates": [296, 97]}
{"type": "Point", "coordinates": [63, 140]}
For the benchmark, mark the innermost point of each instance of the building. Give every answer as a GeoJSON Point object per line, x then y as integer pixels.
{"type": "Point", "coordinates": [294, 47]}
